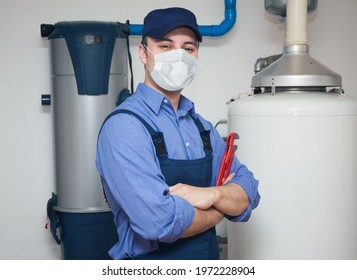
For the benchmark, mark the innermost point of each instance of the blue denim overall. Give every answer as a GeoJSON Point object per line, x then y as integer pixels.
{"type": "Point", "coordinates": [193, 172]}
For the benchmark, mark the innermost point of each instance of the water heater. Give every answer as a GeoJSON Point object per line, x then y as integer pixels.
{"type": "Point", "coordinates": [298, 133]}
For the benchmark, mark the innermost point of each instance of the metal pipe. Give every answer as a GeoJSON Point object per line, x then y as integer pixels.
{"type": "Point", "coordinates": [230, 15]}
{"type": "Point", "coordinates": [264, 62]}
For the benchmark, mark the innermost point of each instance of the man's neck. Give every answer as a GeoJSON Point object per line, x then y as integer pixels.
{"type": "Point", "coordinates": [173, 96]}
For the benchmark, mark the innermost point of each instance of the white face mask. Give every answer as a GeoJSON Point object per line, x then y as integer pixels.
{"type": "Point", "coordinates": [173, 70]}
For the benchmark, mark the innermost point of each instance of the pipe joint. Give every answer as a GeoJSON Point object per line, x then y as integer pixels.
{"type": "Point", "coordinates": [225, 26]}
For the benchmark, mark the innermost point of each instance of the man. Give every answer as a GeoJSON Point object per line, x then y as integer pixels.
{"type": "Point", "coordinates": [159, 159]}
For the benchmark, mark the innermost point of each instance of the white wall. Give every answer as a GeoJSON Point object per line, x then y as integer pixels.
{"type": "Point", "coordinates": [226, 68]}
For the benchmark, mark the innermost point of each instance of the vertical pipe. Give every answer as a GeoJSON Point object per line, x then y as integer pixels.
{"type": "Point", "coordinates": [296, 22]}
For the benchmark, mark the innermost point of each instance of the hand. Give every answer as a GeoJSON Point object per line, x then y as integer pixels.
{"type": "Point", "coordinates": [201, 198]}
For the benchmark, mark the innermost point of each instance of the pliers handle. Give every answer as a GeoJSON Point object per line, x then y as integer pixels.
{"type": "Point", "coordinates": [227, 158]}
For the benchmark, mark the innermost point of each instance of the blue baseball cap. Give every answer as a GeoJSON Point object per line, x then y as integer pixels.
{"type": "Point", "coordinates": [161, 21]}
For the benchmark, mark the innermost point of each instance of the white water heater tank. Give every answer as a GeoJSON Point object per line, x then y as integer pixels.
{"type": "Point", "coordinates": [302, 147]}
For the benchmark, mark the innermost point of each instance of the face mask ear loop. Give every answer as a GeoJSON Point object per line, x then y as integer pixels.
{"type": "Point", "coordinates": [148, 68]}
{"type": "Point", "coordinates": [151, 53]}
{"type": "Point", "coordinates": [149, 50]}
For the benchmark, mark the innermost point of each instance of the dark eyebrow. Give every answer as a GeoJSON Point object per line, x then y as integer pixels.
{"type": "Point", "coordinates": [171, 41]}
{"type": "Point", "coordinates": [195, 43]}
{"type": "Point", "coordinates": [163, 40]}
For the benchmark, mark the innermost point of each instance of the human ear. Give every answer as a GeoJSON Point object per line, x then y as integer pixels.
{"type": "Point", "coordinates": [142, 54]}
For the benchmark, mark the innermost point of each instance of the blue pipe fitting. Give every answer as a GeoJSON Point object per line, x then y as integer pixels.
{"type": "Point", "coordinates": [226, 25]}
{"type": "Point", "coordinates": [136, 29]}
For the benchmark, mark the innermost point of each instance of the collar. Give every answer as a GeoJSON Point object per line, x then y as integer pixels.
{"type": "Point", "coordinates": [156, 100]}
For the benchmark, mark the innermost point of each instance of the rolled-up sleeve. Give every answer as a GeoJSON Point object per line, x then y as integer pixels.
{"type": "Point", "coordinates": [246, 180]}
{"type": "Point", "coordinates": [243, 176]}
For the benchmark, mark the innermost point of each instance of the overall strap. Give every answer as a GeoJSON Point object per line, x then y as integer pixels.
{"type": "Point", "coordinates": [157, 137]}
{"type": "Point", "coordinates": [205, 135]}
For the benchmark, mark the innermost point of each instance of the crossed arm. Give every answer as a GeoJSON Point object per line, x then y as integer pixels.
{"type": "Point", "coordinates": [211, 204]}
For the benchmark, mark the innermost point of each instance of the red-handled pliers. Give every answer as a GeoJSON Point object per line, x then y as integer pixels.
{"type": "Point", "coordinates": [227, 158]}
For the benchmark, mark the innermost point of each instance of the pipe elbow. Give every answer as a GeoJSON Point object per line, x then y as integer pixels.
{"type": "Point", "coordinates": [260, 64]}
{"type": "Point", "coordinates": [230, 15]}
{"type": "Point", "coordinates": [225, 26]}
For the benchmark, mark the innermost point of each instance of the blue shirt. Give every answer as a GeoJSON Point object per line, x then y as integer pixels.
{"type": "Point", "coordinates": [144, 212]}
